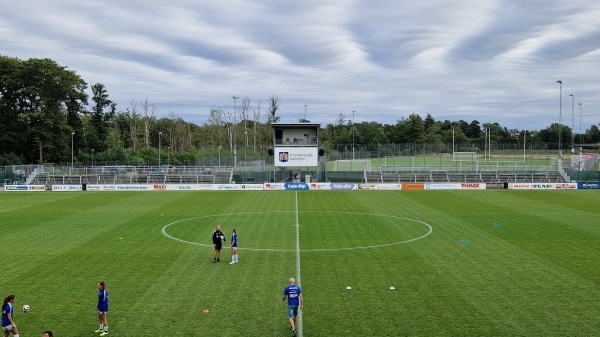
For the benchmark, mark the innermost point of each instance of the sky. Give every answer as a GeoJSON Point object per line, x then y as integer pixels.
{"type": "Point", "coordinates": [377, 60]}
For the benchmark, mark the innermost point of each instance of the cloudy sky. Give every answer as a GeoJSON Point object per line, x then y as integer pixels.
{"type": "Point", "coordinates": [491, 61]}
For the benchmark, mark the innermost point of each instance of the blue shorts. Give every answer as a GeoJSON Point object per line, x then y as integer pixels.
{"type": "Point", "coordinates": [292, 311]}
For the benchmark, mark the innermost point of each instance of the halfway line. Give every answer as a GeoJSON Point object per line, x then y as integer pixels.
{"type": "Point", "coordinates": [299, 327]}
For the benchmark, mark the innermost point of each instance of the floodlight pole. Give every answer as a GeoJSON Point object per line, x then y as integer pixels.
{"type": "Point", "coordinates": [580, 131]}
{"type": "Point", "coordinates": [234, 138]}
{"type": "Point", "coordinates": [572, 124]}
{"type": "Point", "coordinates": [560, 124]}
{"type": "Point", "coordinates": [305, 105]}
{"type": "Point", "coordinates": [92, 157]}
{"type": "Point", "coordinates": [72, 146]}
{"type": "Point", "coordinates": [159, 140]}
{"type": "Point", "coordinates": [353, 111]}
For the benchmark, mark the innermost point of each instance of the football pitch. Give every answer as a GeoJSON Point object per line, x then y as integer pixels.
{"type": "Point", "coordinates": [419, 263]}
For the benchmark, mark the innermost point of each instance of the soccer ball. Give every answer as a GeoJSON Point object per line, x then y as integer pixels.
{"type": "Point", "coordinates": [26, 308]}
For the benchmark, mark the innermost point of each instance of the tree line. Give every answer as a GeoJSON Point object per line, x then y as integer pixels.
{"type": "Point", "coordinates": [49, 114]}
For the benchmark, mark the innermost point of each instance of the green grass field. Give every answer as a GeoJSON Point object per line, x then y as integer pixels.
{"type": "Point", "coordinates": [463, 263]}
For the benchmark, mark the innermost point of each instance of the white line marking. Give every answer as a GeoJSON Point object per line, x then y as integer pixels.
{"type": "Point", "coordinates": [164, 232]}
{"type": "Point", "coordinates": [299, 327]}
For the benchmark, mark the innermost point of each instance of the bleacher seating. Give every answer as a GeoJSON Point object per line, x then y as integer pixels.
{"type": "Point", "coordinates": [189, 175]}
{"type": "Point", "coordinates": [461, 177]}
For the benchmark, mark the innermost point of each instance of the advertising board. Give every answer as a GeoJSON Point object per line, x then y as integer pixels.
{"type": "Point", "coordinates": [296, 156]}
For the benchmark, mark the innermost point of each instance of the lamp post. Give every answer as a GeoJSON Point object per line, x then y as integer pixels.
{"type": "Point", "coordinates": [572, 124]}
{"type": "Point", "coordinates": [72, 142]}
{"type": "Point", "coordinates": [305, 106]}
{"type": "Point", "coordinates": [219, 155]}
{"type": "Point", "coordinates": [168, 156]}
{"type": "Point", "coordinates": [246, 144]}
{"type": "Point", "coordinates": [560, 123]}
{"type": "Point", "coordinates": [353, 111]}
{"type": "Point", "coordinates": [159, 139]}
{"type": "Point", "coordinates": [580, 131]}
{"type": "Point", "coordinates": [92, 157]}
{"type": "Point", "coordinates": [233, 133]}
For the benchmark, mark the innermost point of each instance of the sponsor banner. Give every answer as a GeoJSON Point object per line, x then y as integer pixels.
{"type": "Point", "coordinates": [530, 186]}
{"type": "Point", "coordinates": [15, 188]}
{"type": "Point", "coordinates": [542, 186]}
{"type": "Point", "coordinates": [343, 186]}
{"type": "Point", "coordinates": [565, 186]}
{"type": "Point", "coordinates": [413, 186]}
{"type": "Point", "coordinates": [589, 186]}
{"type": "Point", "coordinates": [251, 187]}
{"type": "Point", "coordinates": [90, 187]}
{"type": "Point", "coordinates": [226, 187]}
{"type": "Point", "coordinates": [471, 186]}
{"type": "Point", "coordinates": [366, 186]}
{"type": "Point", "coordinates": [141, 187]}
{"type": "Point", "coordinates": [274, 186]}
{"type": "Point", "coordinates": [204, 187]}
{"type": "Point", "coordinates": [390, 186]}
{"type": "Point", "coordinates": [296, 156]}
{"type": "Point", "coordinates": [320, 186]}
{"type": "Point", "coordinates": [296, 186]}
{"type": "Point", "coordinates": [67, 188]}
{"type": "Point", "coordinates": [519, 186]}
{"type": "Point", "coordinates": [180, 187]}
{"type": "Point", "coordinates": [440, 186]}
{"type": "Point", "coordinates": [159, 187]}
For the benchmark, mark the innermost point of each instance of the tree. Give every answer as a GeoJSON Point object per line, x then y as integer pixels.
{"type": "Point", "coordinates": [473, 130]}
{"type": "Point", "coordinates": [592, 135]}
{"type": "Point", "coordinates": [35, 96]}
{"type": "Point", "coordinates": [273, 107]}
{"type": "Point", "coordinates": [99, 118]}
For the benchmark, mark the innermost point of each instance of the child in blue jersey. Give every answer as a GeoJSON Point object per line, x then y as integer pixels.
{"type": "Point", "coordinates": [102, 308]}
{"type": "Point", "coordinates": [294, 296]}
{"type": "Point", "coordinates": [8, 325]}
{"type": "Point", "coordinates": [234, 246]}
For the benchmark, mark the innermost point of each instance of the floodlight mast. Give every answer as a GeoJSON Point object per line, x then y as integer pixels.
{"type": "Point", "coordinates": [560, 124]}
{"type": "Point", "coordinates": [572, 124]}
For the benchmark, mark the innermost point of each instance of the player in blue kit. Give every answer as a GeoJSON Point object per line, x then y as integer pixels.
{"type": "Point", "coordinates": [294, 296]}
{"type": "Point", "coordinates": [102, 308]}
{"type": "Point", "coordinates": [234, 246]}
{"type": "Point", "coordinates": [8, 325]}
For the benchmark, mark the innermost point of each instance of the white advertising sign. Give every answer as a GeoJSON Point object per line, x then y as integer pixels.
{"type": "Point", "coordinates": [67, 188]}
{"type": "Point", "coordinates": [296, 156]}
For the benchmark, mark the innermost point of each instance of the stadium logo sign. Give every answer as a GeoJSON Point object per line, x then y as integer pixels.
{"type": "Point", "coordinates": [284, 157]}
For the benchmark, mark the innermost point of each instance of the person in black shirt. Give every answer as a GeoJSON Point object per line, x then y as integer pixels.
{"type": "Point", "coordinates": [217, 236]}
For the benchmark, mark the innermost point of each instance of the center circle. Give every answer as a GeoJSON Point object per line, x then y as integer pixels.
{"type": "Point", "coordinates": [402, 230]}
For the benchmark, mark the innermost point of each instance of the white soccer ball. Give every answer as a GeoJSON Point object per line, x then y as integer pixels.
{"type": "Point", "coordinates": [26, 308]}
